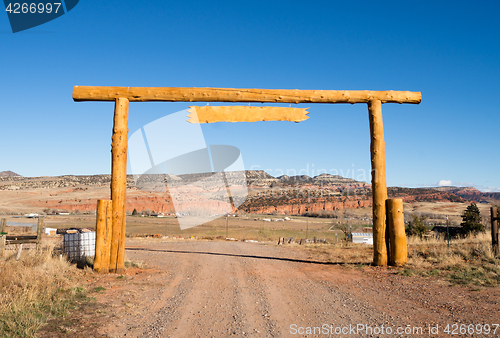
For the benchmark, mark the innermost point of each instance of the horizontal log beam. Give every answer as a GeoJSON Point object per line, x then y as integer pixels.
{"type": "Point", "coordinates": [21, 237]}
{"type": "Point", "coordinates": [22, 241]}
{"type": "Point", "coordinates": [176, 94]}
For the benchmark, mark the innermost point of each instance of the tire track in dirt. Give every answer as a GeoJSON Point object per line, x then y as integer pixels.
{"type": "Point", "coordinates": [297, 299]}
{"type": "Point", "coordinates": [211, 308]}
{"type": "Point", "coordinates": [166, 312]}
{"type": "Point", "coordinates": [227, 301]}
{"type": "Point", "coordinates": [163, 292]}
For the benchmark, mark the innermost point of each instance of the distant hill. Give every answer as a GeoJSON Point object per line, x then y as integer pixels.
{"type": "Point", "coordinates": [9, 173]}
{"type": "Point", "coordinates": [472, 194]}
{"type": "Point", "coordinates": [294, 195]}
{"type": "Point", "coordinates": [259, 180]}
{"type": "Point", "coordinates": [424, 195]}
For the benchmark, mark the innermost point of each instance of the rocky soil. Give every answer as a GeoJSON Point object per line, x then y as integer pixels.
{"type": "Point", "coordinates": [225, 289]}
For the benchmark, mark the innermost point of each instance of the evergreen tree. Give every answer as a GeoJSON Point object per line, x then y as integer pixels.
{"type": "Point", "coordinates": [471, 221]}
{"type": "Point", "coordinates": [416, 227]}
{"type": "Point", "coordinates": [135, 213]}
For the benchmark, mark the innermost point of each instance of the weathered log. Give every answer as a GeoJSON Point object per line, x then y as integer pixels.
{"type": "Point", "coordinates": [379, 185]}
{"type": "Point", "coordinates": [396, 229]}
{"type": "Point", "coordinates": [211, 114]}
{"type": "Point", "coordinates": [119, 184]}
{"type": "Point", "coordinates": [175, 94]}
{"type": "Point", "coordinates": [103, 236]}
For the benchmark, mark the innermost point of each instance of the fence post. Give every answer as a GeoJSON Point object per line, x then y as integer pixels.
{"type": "Point", "coordinates": [103, 236]}
{"type": "Point", "coordinates": [2, 247]}
{"type": "Point", "coordinates": [396, 231]}
{"type": "Point", "coordinates": [2, 251]}
{"type": "Point", "coordinates": [494, 231]}
{"type": "Point", "coordinates": [3, 238]}
{"type": "Point", "coordinates": [19, 251]}
{"type": "Point", "coordinates": [39, 232]}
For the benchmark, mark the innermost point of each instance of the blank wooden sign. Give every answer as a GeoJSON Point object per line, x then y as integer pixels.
{"type": "Point", "coordinates": [211, 114]}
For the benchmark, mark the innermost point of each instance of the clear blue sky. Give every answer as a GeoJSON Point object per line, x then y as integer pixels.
{"type": "Point", "coordinates": [448, 50]}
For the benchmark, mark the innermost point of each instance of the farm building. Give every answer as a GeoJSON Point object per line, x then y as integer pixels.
{"type": "Point", "coordinates": [362, 238]}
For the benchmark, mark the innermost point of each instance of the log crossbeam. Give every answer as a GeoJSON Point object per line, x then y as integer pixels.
{"type": "Point", "coordinates": [176, 94]}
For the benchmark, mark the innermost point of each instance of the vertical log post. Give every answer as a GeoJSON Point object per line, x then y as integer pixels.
{"type": "Point", "coordinates": [39, 232]}
{"type": "Point", "coordinates": [396, 229]}
{"type": "Point", "coordinates": [227, 225]}
{"type": "Point", "coordinates": [119, 184]}
{"type": "Point", "coordinates": [494, 231]}
{"type": "Point", "coordinates": [379, 186]}
{"type": "Point", "coordinates": [2, 248]}
{"type": "Point", "coordinates": [3, 237]}
{"type": "Point", "coordinates": [103, 236]}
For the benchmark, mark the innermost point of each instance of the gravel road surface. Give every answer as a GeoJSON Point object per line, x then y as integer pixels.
{"type": "Point", "coordinates": [224, 289]}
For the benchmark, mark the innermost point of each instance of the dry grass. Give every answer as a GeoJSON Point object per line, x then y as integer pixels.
{"type": "Point", "coordinates": [34, 289]}
{"type": "Point", "coordinates": [135, 264]}
{"type": "Point", "coordinates": [337, 253]}
{"type": "Point", "coordinates": [468, 261]}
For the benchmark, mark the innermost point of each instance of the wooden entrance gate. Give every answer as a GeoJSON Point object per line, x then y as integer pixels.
{"type": "Point", "coordinates": [123, 95]}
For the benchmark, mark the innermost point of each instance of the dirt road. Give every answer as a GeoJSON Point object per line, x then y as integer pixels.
{"type": "Point", "coordinates": [222, 289]}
